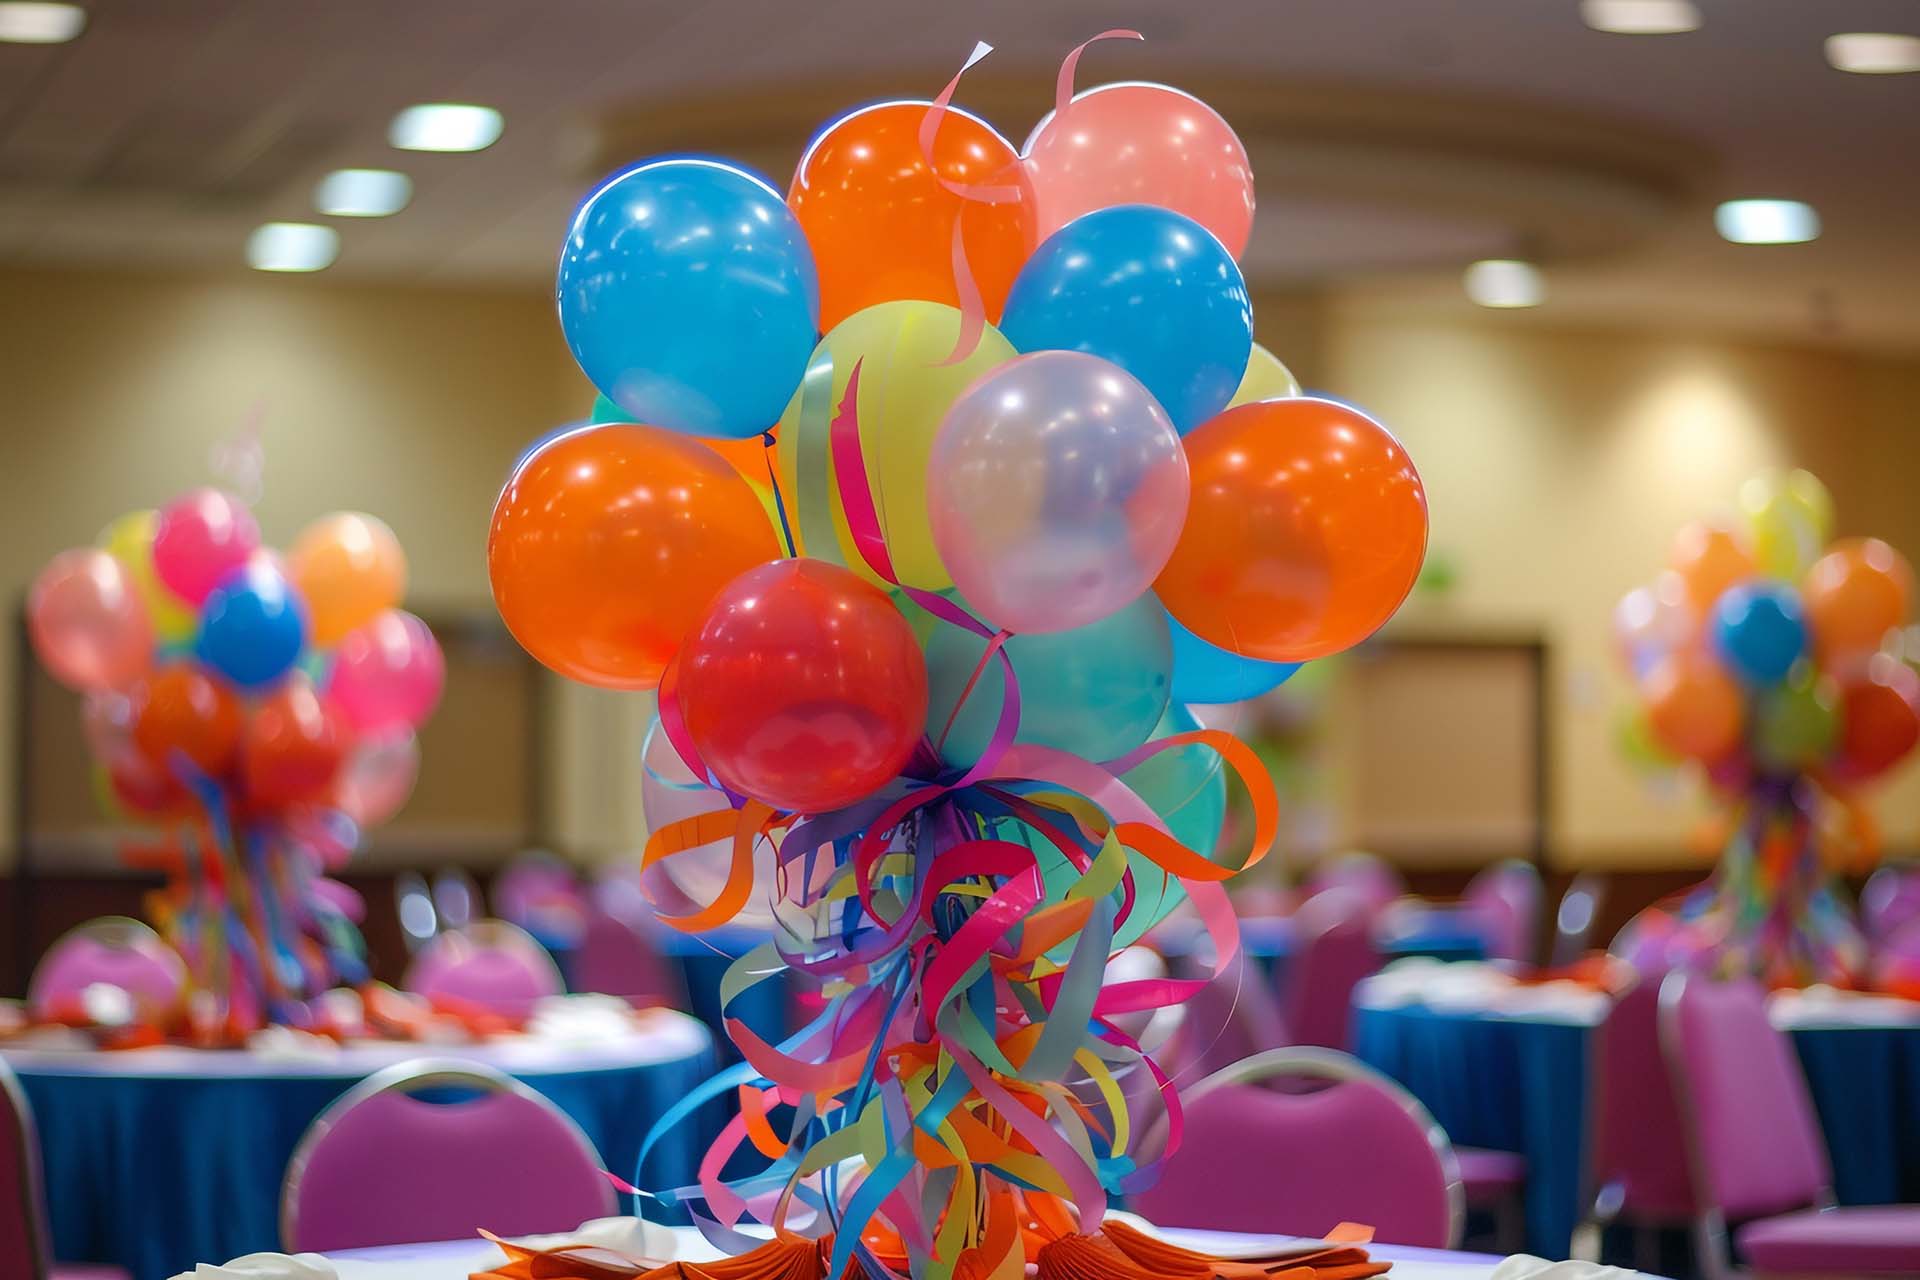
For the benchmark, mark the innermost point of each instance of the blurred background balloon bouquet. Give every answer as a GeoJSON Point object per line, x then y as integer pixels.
{"type": "Point", "coordinates": [926, 497]}
{"type": "Point", "coordinates": [258, 710]}
{"type": "Point", "coordinates": [1761, 656]}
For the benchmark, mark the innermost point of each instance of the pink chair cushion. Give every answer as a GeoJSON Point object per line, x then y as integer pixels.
{"type": "Point", "coordinates": [20, 1229]}
{"type": "Point", "coordinates": [616, 959]}
{"type": "Point", "coordinates": [1335, 951]}
{"type": "Point", "coordinates": [1258, 1160]}
{"type": "Point", "coordinates": [1859, 1241]}
{"type": "Point", "coordinates": [1637, 1133]}
{"type": "Point", "coordinates": [148, 972]}
{"type": "Point", "coordinates": [1487, 1174]}
{"type": "Point", "coordinates": [87, 1271]}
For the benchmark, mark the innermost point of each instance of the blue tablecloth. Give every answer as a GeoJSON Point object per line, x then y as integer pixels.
{"type": "Point", "coordinates": [766, 1007]}
{"type": "Point", "coordinates": [157, 1171]}
{"type": "Point", "coordinates": [1521, 1085]}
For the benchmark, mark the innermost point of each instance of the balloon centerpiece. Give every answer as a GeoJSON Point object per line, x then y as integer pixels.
{"type": "Point", "coordinates": [258, 710]}
{"type": "Point", "coordinates": [1758, 656]}
{"type": "Point", "coordinates": [923, 596]}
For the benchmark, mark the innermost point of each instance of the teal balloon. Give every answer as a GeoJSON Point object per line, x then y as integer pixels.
{"type": "Point", "coordinates": [605, 410]}
{"type": "Point", "coordinates": [1096, 690]}
{"type": "Point", "coordinates": [1187, 787]}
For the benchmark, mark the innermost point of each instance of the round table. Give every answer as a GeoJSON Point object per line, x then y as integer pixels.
{"type": "Point", "coordinates": [1519, 1082]}
{"type": "Point", "coordinates": [158, 1158]}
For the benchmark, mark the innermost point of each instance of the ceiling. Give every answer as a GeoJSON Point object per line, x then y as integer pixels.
{"type": "Point", "coordinates": [1394, 140]}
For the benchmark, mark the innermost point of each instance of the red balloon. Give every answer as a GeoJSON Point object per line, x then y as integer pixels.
{"type": "Point", "coordinates": [293, 746]}
{"type": "Point", "coordinates": [803, 687]}
{"type": "Point", "coordinates": [1879, 719]}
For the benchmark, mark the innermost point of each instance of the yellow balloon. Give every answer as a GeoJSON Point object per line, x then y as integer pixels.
{"type": "Point", "coordinates": [1265, 379]}
{"type": "Point", "coordinates": [129, 540]}
{"type": "Point", "coordinates": [905, 391]}
{"type": "Point", "coordinates": [1789, 515]}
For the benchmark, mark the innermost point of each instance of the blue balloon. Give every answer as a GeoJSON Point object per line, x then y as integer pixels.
{"type": "Point", "coordinates": [1148, 289]}
{"type": "Point", "coordinates": [1760, 631]}
{"type": "Point", "coordinates": [252, 626]}
{"type": "Point", "coordinates": [1206, 673]}
{"type": "Point", "coordinates": [688, 295]}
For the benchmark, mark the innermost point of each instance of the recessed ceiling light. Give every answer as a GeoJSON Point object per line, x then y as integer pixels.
{"type": "Point", "coordinates": [22, 22]}
{"type": "Point", "coordinates": [445, 126]}
{"type": "Point", "coordinates": [1874, 53]}
{"type": "Point", "coordinates": [292, 246]}
{"type": "Point", "coordinates": [362, 193]}
{"type": "Point", "coordinates": [1767, 222]}
{"type": "Point", "coordinates": [1641, 17]}
{"type": "Point", "coordinates": [1505, 282]}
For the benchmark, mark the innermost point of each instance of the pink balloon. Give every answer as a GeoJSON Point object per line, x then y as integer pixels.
{"type": "Point", "coordinates": [388, 673]}
{"type": "Point", "coordinates": [201, 538]}
{"type": "Point", "coordinates": [1056, 490]}
{"type": "Point", "coordinates": [1141, 144]}
{"type": "Point", "coordinates": [87, 621]}
{"type": "Point", "coordinates": [378, 777]}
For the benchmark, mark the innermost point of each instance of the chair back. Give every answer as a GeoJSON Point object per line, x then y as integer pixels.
{"type": "Point", "coordinates": [112, 951]}
{"type": "Point", "coordinates": [413, 905]}
{"type": "Point", "coordinates": [1333, 951]}
{"type": "Point", "coordinates": [1639, 1156]}
{"type": "Point", "coordinates": [1365, 874]}
{"type": "Point", "coordinates": [616, 959]}
{"type": "Point", "coordinates": [456, 896]}
{"type": "Point", "coordinates": [1505, 902]}
{"type": "Point", "coordinates": [1574, 921]}
{"type": "Point", "coordinates": [490, 965]}
{"type": "Point", "coordinates": [384, 1165]}
{"type": "Point", "coordinates": [23, 1219]}
{"type": "Point", "coordinates": [1889, 899]}
{"type": "Point", "coordinates": [1358, 1149]}
{"type": "Point", "coordinates": [1753, 1143]}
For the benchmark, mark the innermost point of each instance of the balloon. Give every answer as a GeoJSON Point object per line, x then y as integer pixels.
{"type": "Point", "coordinates": [687, 295]}
{"type": "Point", "coordinates": [1651, 622]}
{"type": "Point", "coordinates": [293, 746]}
{"type": "Point", "coordinates": [748, 456]}
{"type": "Point", "coordinates": [1265, 379]}
{"type": "Point", "coordinates": [1634, 736]}
{"type": "Point", "coordinates": [201, 538]}
{"type": "Point", "coordinates": [106, 721]}
{"type": "Point", "coordinates": [1795, 725]}
{"type": "Point", "coordinates": [130, 541]}
{"type": "Point", "coordinates": [1307, 530]}
{"type": "Point", "coordinates": [1096, 691]}
{"type": "Point", "coordinates": [1056, 489]}
{"type": "Point", "coordinates": [1147, 289]}
{"type": "Point", "coordinates": [377, 777]}
{"type": "Point", "coordinates": [608, 544]}
{"type": "Point", "coordinates": [180, 708]}
{"type": "Point", "coordinates": [388, 674]}
{"type": "Point", "coordinates": [142, 788]}
{"type": "Point", "coordinates": [1204, 673]}
{"type": "Point", "coordinates": [1142, 144]}
{"type": "Point", "coordinates": [1855, 594]}
{"type": "Point", "coordinates": [881, 223]}
{"type": "Point", "coordinates": [803, 687]}
{"type": "Point", "coordinates": [87, 623]}
{"type": "Point", "coordinates": [1187, 787]}
{"type": "Point", "coordinates": [252, 627]}
{"type": "Point", "coordinates": [1789, 517]}
{"type": "Point", "coordinates": [1759, 630]}
{"type": "Point", "coordinates": [668, 793]}
{"type": "Point", "coordinates": [1710, 558]}
{"type": "Point", "coordinates": [349, 568]}
{"type": "Point", "coordinates": [1879, 718]}
{"type": "Point", "coordinates": [1693, 706]}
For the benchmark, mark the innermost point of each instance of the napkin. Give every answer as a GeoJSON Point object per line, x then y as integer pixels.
{"type": "Point", "coordinates": [1524, 1266]}
{"type": "Point", "coordinates": [266, 1266]}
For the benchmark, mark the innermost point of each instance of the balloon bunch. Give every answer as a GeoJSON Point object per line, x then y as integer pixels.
{"type": "Point", "coordinates": [257, 708]}
{"type": "Point", "coordinates": [924, 596]}
{"type": "Point", "coordinates": [1758, 654]}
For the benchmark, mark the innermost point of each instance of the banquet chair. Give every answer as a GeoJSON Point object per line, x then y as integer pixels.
{"type": "Point", "coordinates": [1333, 951]}
{"type": "Point", "coordinates": [1573, 922]}
{"type": "Point", "coordinates": [490, 965]}
{"type": "Point", "coordinates": [384, 1165]}
{"type": "Point", "coordinates": [1366, 874]}
{"type": "Point", "coordinates": [24, 1248]}
{"type": "Point", "coordinates": [617, 959]}
{"type": "Point", "coordinates": [1889, 899]}
{"type": "Point", "coordinates": [456, 897]}
{"type": "Point", "coordinates": [113, 951]}
{"type": "Point", "coordinates": [1356, 1148]}
{"type": "Point", "coordinates": [413, 906]}
{"type": "Point", "coordinates": [1761, 1180]}
{"type": "Point", "coordinates": [1505, 902]}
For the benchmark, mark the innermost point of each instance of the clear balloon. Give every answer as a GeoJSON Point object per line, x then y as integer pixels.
{"type": "Point", "coordinates": [1056, 490]}
{"type": "Point", "coordinates": [1710, 557]}
{"type": "Point", "coordinates": [388, 674]}
{"type": "Point", "coordinates": [687, 294]}
{"type": "Point", "coordinates": [130, 541]}
{"type": "Point", "coordinates": [1147, 289]}
{"type": "Point", "coordinates": [1651, 622]}
{"type": "Point", "coordinates": [293, 746]}
{"type": "Point", "coordinates": [1855, 595]}
{"type": "Point", "coordinates": [1759, 631]}
{"type": "Point", "coordinates": [669, 793]}
{"type": "Point", "coordinates": [1151, 144]}
{"type": "Point", "coordinates": [200, 539]}
{"type": "Point", "coordinates": [803, 687]}
{"type": "Point", "coordinates": [1208, 674]}
{"type": "Point", "coordinates": [253, 626]}
{"type": "Point", "coordinates": [376, 779]}
{"type": "Point", "coordinates": [1265, 379]}
{"type": "Point", "coordinates": [349, 568]}
{"type": "Point", "coordinates": [1096, 691]}
{"type": "Point", "coordinates": [1693, 707]}
{"type": "Point", "coordinates": [1789, 517]}
{"type": "Point", "coordinates": [180, 708]}
{"type": "Point", "coordinates": [87, 622]}
{"type": "Point", "coordinates": [1307, 530]}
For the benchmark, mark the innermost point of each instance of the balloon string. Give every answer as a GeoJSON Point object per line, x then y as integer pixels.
{"type": "Point", "coordinates": [1063, 83]}
{"type": "Point", "coordinates": [779, 502]}
{"type": "Point", "coordinates": [979, 669]}
{"type": "Point", "coordinates": [973, 309]}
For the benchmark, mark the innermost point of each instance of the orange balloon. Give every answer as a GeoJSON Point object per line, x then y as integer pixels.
{"type": "Point", "coordinates": [608, 544]}
{"type": "Point", "coordinates": [880, 223]}
{"type": "Point", "coordinates": [1306, 530]}
{"type": "Point", "coordinates": [350, 569]}
{"type": "Point", "coordinates": [1855, 594]}
{"type": "Point", "coordinates": [182, 708]}
{"type": "Point", "coordinates": [1693, 706]}
{"type": "Point", "coordinates": [1710, 557]}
